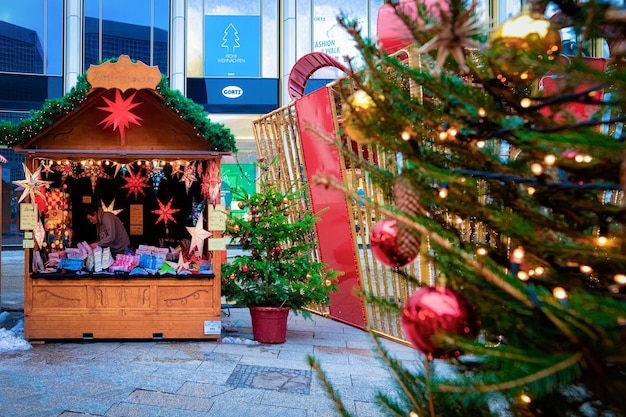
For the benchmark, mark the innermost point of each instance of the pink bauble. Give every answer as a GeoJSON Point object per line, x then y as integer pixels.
{"type": "Point", "coordinates": [384, 244]}
{"type": "Point", "coordinates": [430, 310]}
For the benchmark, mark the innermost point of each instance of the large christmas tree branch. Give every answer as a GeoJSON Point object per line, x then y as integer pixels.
{"type": "Point", "coordinates": [544, 373]}
{"type": "Point", "coordinates": [493, 278]}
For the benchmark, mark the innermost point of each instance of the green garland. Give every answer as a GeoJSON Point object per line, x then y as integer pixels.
{"type": "Point", "coordinates": [220, 137]}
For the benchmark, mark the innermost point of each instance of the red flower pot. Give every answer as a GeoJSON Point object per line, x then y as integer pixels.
{"type": "Point", "coordinates": [269, 324]}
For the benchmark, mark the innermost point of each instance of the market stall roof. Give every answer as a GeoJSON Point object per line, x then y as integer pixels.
{"type": "Point", "coordinates": [123, 118]}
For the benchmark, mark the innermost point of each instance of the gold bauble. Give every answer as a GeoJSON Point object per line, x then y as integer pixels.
{"type": "Point", "coordinates": [358, 112]}
{"type": "Point", "coordinates": [521, 41]}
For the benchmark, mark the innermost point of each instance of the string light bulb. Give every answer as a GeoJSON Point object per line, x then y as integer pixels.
{"type": "Point", "coordinates": [525, 398]}
{"type": "Point", "coordinates": [536, 168]}
{"type": "Point", "coordinates": [559, 293]}
{"type": "Point", "coordinates": [443, 191]}
{"type": "Point", "coordinates": [549, 159]}
{"type": "Point", "coordinates": [620, 279]}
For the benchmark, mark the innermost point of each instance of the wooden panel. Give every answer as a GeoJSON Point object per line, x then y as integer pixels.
{"type": "Point", "coordinates": [59, 297]}
{"type": "Point", "coordinates": [110, 308]}
{"type": "Point", "coordinates": [119, 296]}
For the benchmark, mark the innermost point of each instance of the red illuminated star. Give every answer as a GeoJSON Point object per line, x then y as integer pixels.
{"type": "Point", "coordinates": [165, 212]}
{"type": "Point", "coordinates": [135, 183]}
{"type": "Point", "coordinates": [121, 115]}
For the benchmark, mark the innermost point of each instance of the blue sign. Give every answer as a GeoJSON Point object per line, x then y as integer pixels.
{"type": "Point", "coordinates": [234, 95]}
{"type": "Point", "coordinates": [232, 46]}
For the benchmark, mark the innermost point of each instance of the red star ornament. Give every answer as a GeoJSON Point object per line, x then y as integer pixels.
{"type": "Point", "coordinates": [214, 183]}
{"type": "Point", "coordinates": [165, 212]}
{"type": "Point", "coordinates": [120, 116]}
{"type": "Point", "coordinates": [135, 183]}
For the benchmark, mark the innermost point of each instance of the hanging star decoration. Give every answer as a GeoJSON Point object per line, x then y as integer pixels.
{"type": "Point", "coordinates": [157, 175]}
{"type": "Point", "coordinates": [189, 177]}
{"type": "Point", "coordinates": [452, 35]}
{"type": "Point", "coordinates": [211, 183]}
{"type": "Point", "coordinates": [135, 183]}
{"type": "Point", "coordinates": [165, 212]}
{"type": "Point", "coordinates": [120, 168]}
{"type": "Point", "coordinates": [32, 185]}
{"type": "Point", "coordinates": [110, 208]}
{"type": "Point", "coordinates": [46, 167]}
{"type": "Point", "coordinates": [176, 169]}
{"type": "Point", "coordinates": [196, 210]}
{"type": "Point", "coordinates": [120, 116]}
{"type": "Point", "coordinates": [66, 169]}
{"type": "Point", "coordinates": [94, 173]}
{"type": "Point", "coordinates": [198, 235]}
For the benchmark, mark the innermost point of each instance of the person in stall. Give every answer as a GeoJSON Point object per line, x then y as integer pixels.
{"type": "Point", "coordinates": [110, 230]}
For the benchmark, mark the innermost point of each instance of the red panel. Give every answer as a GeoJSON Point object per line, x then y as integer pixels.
{"type": "Point", "coordinates": [305, 67]}
{"type": "Point", "coordinates": [334, 231]}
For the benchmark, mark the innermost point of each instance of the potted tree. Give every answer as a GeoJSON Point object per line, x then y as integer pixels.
{"type": "Point", "coordinates": [276, 274]}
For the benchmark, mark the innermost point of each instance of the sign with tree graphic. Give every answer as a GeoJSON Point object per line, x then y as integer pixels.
{"type": "Point", "coordinates": [232, 46]}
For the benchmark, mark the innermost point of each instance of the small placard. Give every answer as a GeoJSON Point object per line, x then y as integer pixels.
{"type": "Point", "coordinates": [28, 235]}
{"type": "Point", "coordinates": [86, 199]}
{"type": "Point", "coordinates": [217, 243]}
{"type": "Point", "coordinates": [28, 244]}
{"type": "Point", "coordinates": [217, 217]}
{"type": "Point", "coordinates": [28, 216]}
{"type": "Point", "coordinates": [212, 327]}
{"type": "Point", "coordinates": [136, 219]}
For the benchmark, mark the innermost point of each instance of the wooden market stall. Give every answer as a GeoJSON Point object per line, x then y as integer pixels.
{"type": "Point", "coordinates": [124, 149]}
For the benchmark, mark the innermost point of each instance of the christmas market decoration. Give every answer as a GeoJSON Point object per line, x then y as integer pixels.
{"type": "Point", "coordinates": [278, 272]}
{"type": "Point", "coordinates": [32, 185]}
{"type": "Point", "coordinates": [135, 183]}
{"type": "Point", "coordinates": [360, 110]}
{"type": "Point", "coordinates": [70, 285]}
{"type": "Point", "coordinates": [165, 212]}
{"type": "Point", "coordinates": [198, 235]}
{"type": "Point", "coordinates": [189, 177]}
{"type": "Point", "coordinates": [384, 244]}
{"type": "Point", "coordinates": [433, 310]}
{"type": "Point", "coordinates": [514, 197]}
{"type": "Point", "coordinates": [522, 42]}
{"type": "Point", "coordinates": [120, 116]}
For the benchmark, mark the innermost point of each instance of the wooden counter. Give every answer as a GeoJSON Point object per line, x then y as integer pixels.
{"type": "Point", "coordinates": [122, 307]}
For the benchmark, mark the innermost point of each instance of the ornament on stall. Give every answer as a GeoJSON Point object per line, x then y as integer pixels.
{"type": "Point", "coordinates": [135, 183]}
{"type": "Point", "coordinates": [177, 170]}
{"type": "Point", "coordinates": [110, 208]}
{"type": "Point", "coordinates": [40, 234]}
{"type": "Point", "coordinates": [189, 177]}
{"type": "Point", "coordinates": [165, 212]}
{"type": "Point", "coordinates": [211, 183]}
{"type": "Point", "coordinates": [94, 173]}
{"type": "Point", "coordinates": [156, 174]}
{"type": "Point", "coordinates": [120, 116]}
{"type": "Point", "coordinates": [32, 185]}
{"type": "Point", "coordinates": [120, 168]}
{"type": "Point", "coordinates": [66, 169]}
{"type": "Point", "coordinates": [198, 235]}
{"type": "Point", "coordinates": [183, 264]}
{"type": "Point", "coordinates": [358, 112]}
{"type": "Point", "coordinates": [452, 36]}
{"type": "Point", "coordinates": [196, 210]}
{"type": "Point", "coordinates": [518, 43]}
{"type": "Point", "coordinates": [435, 310]}
{"type": "Point", "coordinates": [384, 245]}
{"type": "Point", "coordinates": [46, 167]}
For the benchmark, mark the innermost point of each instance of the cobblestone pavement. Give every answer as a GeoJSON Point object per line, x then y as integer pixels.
{"type": "Point", "coordinates": [233, 376]}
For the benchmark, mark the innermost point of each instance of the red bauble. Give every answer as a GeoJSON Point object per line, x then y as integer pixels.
{"type": "Point", "coordinates": [244, 268]}
{"type": "Point", "coordinates": [384, 244]}
{"type": "Point", "coordinates": [430, 310]}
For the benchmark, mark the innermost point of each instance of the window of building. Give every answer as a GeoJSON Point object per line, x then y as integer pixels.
{"type": "Point", "coordinates": [31, 36]}
{"type": "Point", "coordinates": [138, 28]}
